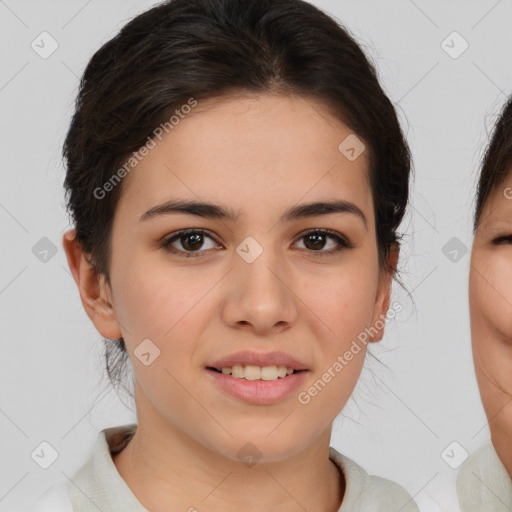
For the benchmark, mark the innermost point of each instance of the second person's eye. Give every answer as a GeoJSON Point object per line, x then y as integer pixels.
{"type": "Point", "coordinates": [504, 239]}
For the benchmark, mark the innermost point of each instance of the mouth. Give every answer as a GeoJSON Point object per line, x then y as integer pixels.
{"type": "Point", "coordinates": [253, 372]}
{"type": "Point", "coordinates": [257, 385]}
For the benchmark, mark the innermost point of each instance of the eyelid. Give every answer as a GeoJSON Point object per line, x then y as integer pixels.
{"type": "Point", "coordinates": [167, 240]}
{"type": "Point", "coordinates": [502, 238]}
{"type": "Point", "coordinates": [342, 241]}
{"type": "Point", "coordinates": [341, 238]}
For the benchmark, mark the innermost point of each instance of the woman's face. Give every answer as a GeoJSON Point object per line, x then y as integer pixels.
{"type": "Point", "coordinates": [490, 300]}
{"type": "Point", "coordinates": [255, 282]}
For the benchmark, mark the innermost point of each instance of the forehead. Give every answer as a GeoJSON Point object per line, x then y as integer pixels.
{"type": "Point", "coordinates": [254, 151]}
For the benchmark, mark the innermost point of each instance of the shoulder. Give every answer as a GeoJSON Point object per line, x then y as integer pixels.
{"type": "Point", "coordinates": [55, 499]}
{"type": "Point", "coordinates": [368, 492]}
{"type": "Point", "coordinates": [482, 460]}
{"type": "Point", "coordinates": [378, 494]}
{"type": "Point", "coordinates": [483, 481]}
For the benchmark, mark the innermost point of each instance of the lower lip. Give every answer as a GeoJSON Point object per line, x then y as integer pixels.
{"type": "Point", "coordinates": [259, 392]}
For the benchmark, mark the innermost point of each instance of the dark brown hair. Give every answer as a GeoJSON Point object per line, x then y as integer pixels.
{"type": "Point", "coordinates": [182, 49]}
{"type": "Point", "coordinates": [496, 161]}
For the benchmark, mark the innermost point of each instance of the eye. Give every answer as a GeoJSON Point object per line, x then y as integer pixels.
{"type": "Point", "coordinates": [315, 240]}
{"type": "Point", "coordinates": [501, 240]}
{"type": "Point", "coordinates": [189, 239]}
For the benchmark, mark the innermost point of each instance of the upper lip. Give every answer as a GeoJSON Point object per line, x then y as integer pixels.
{"type": "Point", "coordinates": [247, 357]}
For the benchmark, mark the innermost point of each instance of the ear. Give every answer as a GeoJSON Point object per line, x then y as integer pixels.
{"type": "Point", "coordinates": [383, 296]}
{"type": "Point", "coordinates": [95, 292]}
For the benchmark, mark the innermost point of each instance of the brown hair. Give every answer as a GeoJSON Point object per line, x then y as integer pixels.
{"type": "Point", "coordinates": [496, 161]}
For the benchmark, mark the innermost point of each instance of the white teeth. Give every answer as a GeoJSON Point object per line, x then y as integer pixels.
{"type": "Point", "coordinates": [251, 372]}
{"type": "Point", "coordinates": [237, 371]}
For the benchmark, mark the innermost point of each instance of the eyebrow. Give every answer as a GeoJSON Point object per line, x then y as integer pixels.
{"type": "Point", "coordinates": [217, 211]}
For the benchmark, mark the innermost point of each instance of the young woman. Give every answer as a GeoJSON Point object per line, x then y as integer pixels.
{"type": "Point", "coordinates": [484, 481]}
{"type": "Point", "coordinates": [236, 177]}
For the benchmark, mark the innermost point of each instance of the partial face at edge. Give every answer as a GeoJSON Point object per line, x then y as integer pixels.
{"type": "Point", "coordinates": [490, 300]}
{"type": "Point", "coordinates": [258, 155]}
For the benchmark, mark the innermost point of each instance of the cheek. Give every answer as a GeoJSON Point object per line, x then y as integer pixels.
{"type": "Point", "coordinates": [490, 297]}
{"type": "Point", "coordinates": [345, 300]}
{"type": "Point", "coordinates": [342, 312]}
{"type": "Point", "coordinates": [490, 292]}
{"type": "Point", "coordinates": [166, 306]}
{"type": "Point", "coordinates": [343, 308]}
{"type": "Point", "coordinates": [163, 304]}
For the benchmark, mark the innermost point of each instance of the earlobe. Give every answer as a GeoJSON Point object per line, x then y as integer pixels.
{"type": "Point", "coordinates": [94, 291]}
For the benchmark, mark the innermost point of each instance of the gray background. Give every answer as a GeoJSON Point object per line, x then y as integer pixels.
{"type": "Point", "coordinates": [399, 421]}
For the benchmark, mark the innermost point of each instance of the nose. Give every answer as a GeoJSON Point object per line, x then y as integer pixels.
{"type": "Point", "coordinates": [260, 296]}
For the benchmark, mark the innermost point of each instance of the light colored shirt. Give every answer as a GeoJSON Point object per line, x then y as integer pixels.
{"type": "Point", "coordinates": [483, 483]}
{"type": "Point", "coordinates": [97, 485]}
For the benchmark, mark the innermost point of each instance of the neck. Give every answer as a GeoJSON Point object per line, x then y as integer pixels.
{"type": "Point", "coordinates": [167, 470]}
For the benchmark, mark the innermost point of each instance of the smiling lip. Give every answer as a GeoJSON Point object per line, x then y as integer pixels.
{"type": "Point", "coordinates": [258, 392]}
{"type": "Point", "coordinates": [246, 357]}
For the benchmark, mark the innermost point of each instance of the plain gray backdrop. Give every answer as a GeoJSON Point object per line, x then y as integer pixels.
{"type": "Point", "coordinates": [400, 421]}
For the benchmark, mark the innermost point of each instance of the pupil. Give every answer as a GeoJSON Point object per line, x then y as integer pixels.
{"type": "Point", "coordinates": [196, 239]}
{"type": "Point", "coordinates": [318, 238]}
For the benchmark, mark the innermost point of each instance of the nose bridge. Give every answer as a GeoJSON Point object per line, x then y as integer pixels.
{"type": "Point", "coordinates": [263, 295]}
{"type": "Point", "coordinates": [260, 263]}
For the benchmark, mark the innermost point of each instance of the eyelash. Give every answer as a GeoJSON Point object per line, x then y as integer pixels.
{"type": "Point", "coordinates": [343, 243]}
{"type": "Point", "coordinates": [500, 239]}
